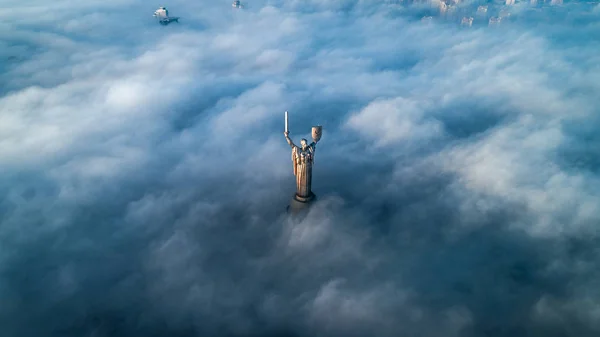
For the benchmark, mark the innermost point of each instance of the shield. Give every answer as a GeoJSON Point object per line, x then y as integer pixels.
{"type": "Point", "coordinates": [316, 133]}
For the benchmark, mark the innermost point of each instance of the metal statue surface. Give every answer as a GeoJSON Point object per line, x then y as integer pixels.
{"type": "Point", "coordinates": [303, 158]}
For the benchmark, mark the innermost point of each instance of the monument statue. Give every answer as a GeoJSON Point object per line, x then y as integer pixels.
{"type": "Point", "coordinates": [303, 158]}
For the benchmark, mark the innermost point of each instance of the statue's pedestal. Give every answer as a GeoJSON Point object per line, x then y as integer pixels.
{"type": "Point", "coordinates": [299, 204]}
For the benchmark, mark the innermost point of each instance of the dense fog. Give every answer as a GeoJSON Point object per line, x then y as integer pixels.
{"type": "Point", "coordinates": [145, 173]}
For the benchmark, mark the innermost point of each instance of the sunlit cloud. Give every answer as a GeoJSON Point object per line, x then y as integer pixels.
{"type": "Point", "coordinates": [145, 173]}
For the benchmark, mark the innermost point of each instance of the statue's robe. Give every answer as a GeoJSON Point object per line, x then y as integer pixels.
{"type": "Point", "coordinates": [303, 161]}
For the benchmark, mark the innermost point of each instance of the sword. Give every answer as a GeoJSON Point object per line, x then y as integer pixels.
{"type": "Point", "coordinates": [286, 122]}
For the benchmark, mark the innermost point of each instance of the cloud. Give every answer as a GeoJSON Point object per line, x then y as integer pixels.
{"type": "Point", "coordinates": [395, 121]}
{"type": "Point", "coordinates": [145, 174]}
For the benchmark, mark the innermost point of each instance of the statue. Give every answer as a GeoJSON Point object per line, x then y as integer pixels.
{"type": "Point", "coordinates": [303, 158]}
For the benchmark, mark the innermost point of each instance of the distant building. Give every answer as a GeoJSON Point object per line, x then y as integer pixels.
{"type": "Point", "coordinates": [556, 2]}
{"type": "Point", "coordinates": [482, 9]}
{"type": "Point", "coordinates": [427, 19]}
{"type": "Point", "coordinates": [161, 13]}
{"type": "Point", "coordinates": [466, 21]}
{"type": "Point", "coordinates": [443, 7]}
{"type": "Point", "coordinates": [494, 21]}
{"type": "Point", "coordinates": [510, 2]}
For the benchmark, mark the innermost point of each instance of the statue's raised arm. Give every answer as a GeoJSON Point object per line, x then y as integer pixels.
{"type": "Point", "coordinates": [289, 140]}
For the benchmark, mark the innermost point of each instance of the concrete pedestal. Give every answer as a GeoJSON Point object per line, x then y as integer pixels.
{"type": "Point", "coordinates": [300, 205]}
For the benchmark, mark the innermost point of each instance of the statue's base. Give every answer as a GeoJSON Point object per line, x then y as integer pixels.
{"type": "Point", "coordinates": [300, 204]}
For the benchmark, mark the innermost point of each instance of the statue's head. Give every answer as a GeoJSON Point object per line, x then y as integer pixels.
{"type": "Point", "coordinates": [303, 143]}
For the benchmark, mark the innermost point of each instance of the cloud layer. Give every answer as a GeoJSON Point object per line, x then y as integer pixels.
{"type": "Point", "coordinates": [145, 173]}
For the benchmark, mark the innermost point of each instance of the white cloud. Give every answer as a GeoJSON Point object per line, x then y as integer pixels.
{"type": "Point", "coordinates": [393, 121]}
{"type": "Point", "coordinates": [145, 171]}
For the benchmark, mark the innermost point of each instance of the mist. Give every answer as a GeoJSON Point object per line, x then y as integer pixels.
{"type": "Point", "coordinates": [145, 174]}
